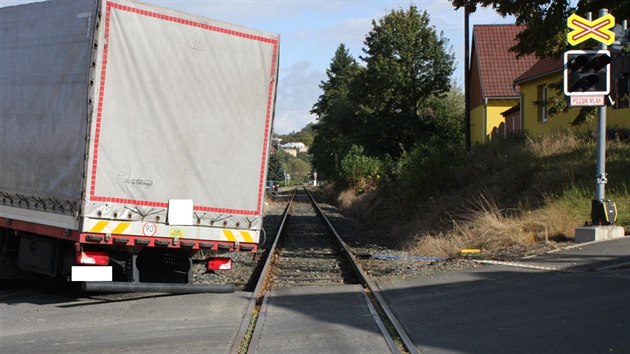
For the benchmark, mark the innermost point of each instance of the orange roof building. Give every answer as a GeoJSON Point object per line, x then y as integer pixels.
{"type": "Point", "coordinates": [493, 71]}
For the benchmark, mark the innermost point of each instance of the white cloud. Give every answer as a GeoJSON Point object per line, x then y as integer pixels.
{"type": "Point", "coordinates": [298, 90]}
{"type": "Point", "coordinates": [350, 31]}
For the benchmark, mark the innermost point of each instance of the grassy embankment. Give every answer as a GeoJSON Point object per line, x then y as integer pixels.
{"type": "Point", "coordinates": [507, 194]}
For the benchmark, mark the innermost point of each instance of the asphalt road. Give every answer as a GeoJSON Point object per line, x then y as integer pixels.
{"type": "Point", "coordinates": [40, 321]}
{"type": "Point", "coordinates": [575, 301]}
{"type": "Point", "coordinates": [582, 306]}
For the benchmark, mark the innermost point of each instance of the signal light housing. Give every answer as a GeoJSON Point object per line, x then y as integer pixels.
{"type": "Point", "coordinates": [586, 72]}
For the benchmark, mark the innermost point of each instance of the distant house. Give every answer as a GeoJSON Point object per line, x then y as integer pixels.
{"type": "Point", "coordinates": [293, 146]}
{"type": "Point", "coordinates": [493, 70]}
{"type": "Point", "coordinates": [536, 86]}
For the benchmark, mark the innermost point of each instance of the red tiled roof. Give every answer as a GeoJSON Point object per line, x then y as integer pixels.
{"type": "Point", "coordinates": [542, 68]}
{"type": "Point", "coordinates": [498, 66]}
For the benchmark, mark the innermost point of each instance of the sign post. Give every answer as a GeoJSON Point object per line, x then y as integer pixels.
{"type": "Point", "coordinates": [602, 179]}
{"type": "Point", "coordinates": [584, 74]}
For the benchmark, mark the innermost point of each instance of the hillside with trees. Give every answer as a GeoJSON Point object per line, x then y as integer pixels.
{"type": "Point", "coordinates": [299, 167]}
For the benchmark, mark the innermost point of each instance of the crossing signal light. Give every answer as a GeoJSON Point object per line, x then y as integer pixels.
{"type": "Point", "coordinates": [586, 72]}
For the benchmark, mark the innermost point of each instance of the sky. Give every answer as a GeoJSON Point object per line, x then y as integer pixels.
{"type": "Point", "coordinates": [311, 31]}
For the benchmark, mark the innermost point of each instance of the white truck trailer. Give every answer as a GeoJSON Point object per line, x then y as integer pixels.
{"type": "Point", "coordinates": [131, 137]}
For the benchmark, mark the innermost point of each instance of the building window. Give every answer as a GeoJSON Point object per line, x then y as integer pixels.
{"type": "Point", "coordinates": [543, 113]}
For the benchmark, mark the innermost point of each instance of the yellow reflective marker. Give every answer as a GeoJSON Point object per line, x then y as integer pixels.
{"type": "Point", "coordinates": [120, 228]}
{"type": "Point", "coordinates": [583, 29]}
{"type": "Point", "coordinates": [99, 226]}
{"type": "Point", "coordinates": [176, 233]}
{"type": "Point", "coordinates": [247, 237]}
{"type": "Point", "coordinates": [229, 235]}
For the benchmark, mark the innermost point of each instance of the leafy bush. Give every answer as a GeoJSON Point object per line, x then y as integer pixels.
{"type": "Point", "coordinates": [359, 171]}
{"type": "Point", "coordinates": [427, 170]}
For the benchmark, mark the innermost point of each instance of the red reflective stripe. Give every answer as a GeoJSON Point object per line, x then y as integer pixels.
{"type": "Point", "coordinates": [99, 115]}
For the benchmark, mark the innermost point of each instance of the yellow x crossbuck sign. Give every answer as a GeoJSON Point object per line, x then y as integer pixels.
{"type": "Point", "coordinates": [584, 29]}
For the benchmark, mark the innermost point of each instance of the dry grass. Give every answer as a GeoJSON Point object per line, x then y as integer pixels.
{"type": "Point", "coordinates": [481, 225]}
{"type": "Point", "coordinates": [554, 201]}
{"type": "Point", "coordinates": [523, 194]}
{"type": "Point", "coordinates": [347, 198]}
{"type": "Point", "coordinates": [555, 144]}
{"type": "Point", "coordinates": [492, 232]}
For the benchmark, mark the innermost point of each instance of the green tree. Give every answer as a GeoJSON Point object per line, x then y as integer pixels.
{"type": "Point", "coordinates": [335, 114]}
{"type": "Point", "coordinates": [283, 157]}
{"type": "Point", "coordinates": [304, 156]}
{"type": "Point", "coordinates": [305, 135]}
{"type": "Point", "coordinates": [407, 63]}
{"type": "Point", "coordinates": [360, 171]}
{"type": "Point", "coordinates": [298, 169]}
{"type": "Point", "coordinates": [447, 115]}
{"type": "Point", "coordinates": [274, 171]}
{"type": "Point", "coordinates": [546, 20]}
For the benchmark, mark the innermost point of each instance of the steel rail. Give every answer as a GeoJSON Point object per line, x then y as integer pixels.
{"type": "Point", "coordinates": [257, 331]}
{"type": "Point", "coordinates": [307, 255]}
{"type": "Point", "coordinates": [364, 279]}
{"type": "Point", "coordinates": [260, 285]}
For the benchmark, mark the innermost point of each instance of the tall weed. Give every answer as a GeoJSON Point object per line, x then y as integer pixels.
{"type": "Point", "coordinates": [507, 193]}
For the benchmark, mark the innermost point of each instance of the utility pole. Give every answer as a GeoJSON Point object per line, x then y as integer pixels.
{"type": "Point", "coordinates": [468, 8]}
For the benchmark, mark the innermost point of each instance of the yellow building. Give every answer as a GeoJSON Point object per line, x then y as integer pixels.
{"type": "Point", "coordinates": [541, 83]}
{"type": "Point", "coordinates": [493, 69]}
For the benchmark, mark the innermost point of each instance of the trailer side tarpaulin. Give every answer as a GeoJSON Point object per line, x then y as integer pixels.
{"type": "Point", "coordinates": [45, 51]}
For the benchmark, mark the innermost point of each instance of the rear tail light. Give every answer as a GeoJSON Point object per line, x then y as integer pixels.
{"type": "Point", "coordinates": [220, 263]}
{"type": "Point", "coordinates": [92, 257]}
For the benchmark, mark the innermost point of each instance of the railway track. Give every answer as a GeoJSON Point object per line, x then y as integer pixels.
{"type": "Point", "coordinates": [308, 252]}
{"type": "Point", "coordinates": [306, 255]}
